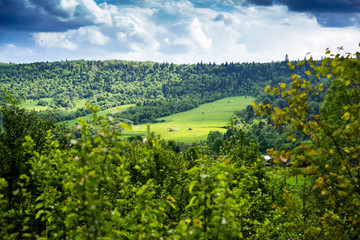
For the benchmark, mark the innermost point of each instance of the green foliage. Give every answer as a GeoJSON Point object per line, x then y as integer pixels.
{"type": "Point", "coordinates": [158, 89]}
{"type": "Point", "coordinates": [216, 118]}
{"type": "Point", "coordinates": [331, 197]}
{"type": "Point", "coordinates": [16, 124]}
{"type": "Point", "coordinates": [99, 186]}
{"type": "Point", "coordinates": [43, 103]}
{"type": "Point", "coordinates": [217, 144]}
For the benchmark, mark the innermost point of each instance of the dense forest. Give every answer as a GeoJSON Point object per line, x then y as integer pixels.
{"type": "Point", "coordinates": [88, 183]}
{"type": "Point", "coordinates": [157, 89]}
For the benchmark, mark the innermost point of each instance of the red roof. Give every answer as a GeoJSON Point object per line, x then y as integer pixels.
{"type": "Point", "coordinates": [283, 159]}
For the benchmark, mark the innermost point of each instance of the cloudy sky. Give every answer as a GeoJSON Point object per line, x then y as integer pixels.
{"type": "Point", "coordinates": [180, 31]}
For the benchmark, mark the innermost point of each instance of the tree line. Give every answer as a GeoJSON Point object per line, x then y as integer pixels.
{"type": "Point", "coordinates": [87, 183]}
{"type": "Point", "coordinates": [151, 86]}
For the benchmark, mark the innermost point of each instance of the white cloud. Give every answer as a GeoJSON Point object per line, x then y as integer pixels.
{"type": "Point", "coordinates": [183, 8]}
{"type": "Point", "coordinates": [177, 31]}
{"type": "Point", "coordinates": [71, 39]}
{"type": "Point", "coordinates": [10, 53]}
{"type": "Point", "coordinates": [134, 31]}
{"type": "Point", "coordinates": [121, 36]}
{"type": "Point", "coordinates": [102, 12]}
{"type": "Point", "coordinates": [88, 10]}
{"type": "Point", "coordinates": [92, 35]}
{"type": "Point", "coordinates": [271, 32]}
{"type": "Point", "coordinates": [131, 24]}
{"type": "Point", "coordinates": [53, 39]}
{"type": "Point", "coordinates": [69, 5]}
{"type": "Point", "coordinates": [198, 34]}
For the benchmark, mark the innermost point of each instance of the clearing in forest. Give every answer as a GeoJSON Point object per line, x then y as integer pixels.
{"type": "Point", "coordinates": [195, 124]}
{"type": "Point", "coordinates": [89, 117]}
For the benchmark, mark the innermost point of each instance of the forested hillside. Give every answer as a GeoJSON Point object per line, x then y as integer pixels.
{"type": "Point", "coordinates": [87, 183]}
{"type": "Point", "coordinates": [157, 89]}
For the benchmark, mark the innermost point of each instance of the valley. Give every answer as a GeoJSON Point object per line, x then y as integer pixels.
{"type": "Point", "coordinates": [195, 125]}
{"type": "Point", "coordinates": [179, 119]}
{"type": "Point", "coordinates": [193, 169]}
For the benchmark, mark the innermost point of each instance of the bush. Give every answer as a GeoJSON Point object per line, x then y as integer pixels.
{"type": "Point", "coordinates": [42, 103]}
{"type": "Point", "coordinates": [331, 195]}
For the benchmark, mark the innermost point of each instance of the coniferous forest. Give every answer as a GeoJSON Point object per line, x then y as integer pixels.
{"type": "Point", "coordinates": [88, 182]}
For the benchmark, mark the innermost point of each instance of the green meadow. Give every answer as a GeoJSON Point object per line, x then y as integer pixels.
{"type": "Point", "coordinates": [195, 124]}
{"type": "Point", "coordinates": [32, 104]}
{"type": "Point", "coordinates": [88, 117]}
{"type": "Point", "coordinates": [190, 126]}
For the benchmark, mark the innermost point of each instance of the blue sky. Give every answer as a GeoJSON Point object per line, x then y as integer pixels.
{"type": "Point", "coordinates": [179, 31]}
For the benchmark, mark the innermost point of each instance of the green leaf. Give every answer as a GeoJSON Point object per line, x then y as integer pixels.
{"type": "Point", "coordinates": [39, 198]}
{"type": "Point", "coordinates": [171, 204]}
{"type": "Point", "coordinates": [39, 205]}
{"type": "Point", "coordinates": [107, 203]}
{"type": "Point", "coordinates": [38, 214]}
{"type": "Point", "coordinates": [191, 203]}
{"type": "Point", "coordinates": [27, 235]}
{"type": "Point", "coordinates": [191, 186]}
{"type": "Point", "coordinates": [72, 215]}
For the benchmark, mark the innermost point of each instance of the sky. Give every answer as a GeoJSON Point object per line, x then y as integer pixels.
{"type": "Point", "coordinates": [177, 31]}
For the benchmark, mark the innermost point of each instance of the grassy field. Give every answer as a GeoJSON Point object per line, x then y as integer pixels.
{"type": "Point", "coordinates": [104, 112]}
{"type": "Point", "coordinates": [32, 104]}
{"type": "Point", "coordinates": [189, 126]}
{"type": "Point", "coordinates": [195, 124]}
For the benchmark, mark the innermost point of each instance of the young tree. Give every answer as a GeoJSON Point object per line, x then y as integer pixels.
{"type": "Point", "coordinates": [332, 153]}
{"type": "Point", "coordinates": [17, 123]}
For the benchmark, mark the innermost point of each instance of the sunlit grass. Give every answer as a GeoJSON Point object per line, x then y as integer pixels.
{"type": "Point", "coordinates": [189, 126]}
{"type": "Point", "coordinates": [100, 113]}
{"type": "Point", "coordinates": [31, 104]}
{"type": "Point", "coordinates": [195, 124]}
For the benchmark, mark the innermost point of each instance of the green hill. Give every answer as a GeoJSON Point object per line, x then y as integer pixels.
{"type": "Point", "coordinates": [195, 124]}
{"type": "Point", "coordinates": [157, 89]}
